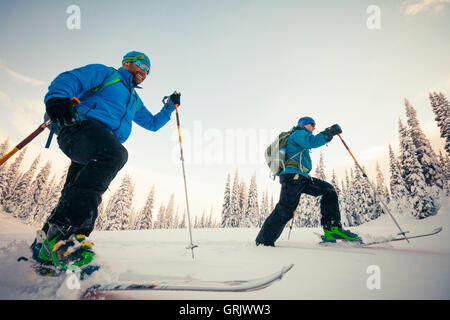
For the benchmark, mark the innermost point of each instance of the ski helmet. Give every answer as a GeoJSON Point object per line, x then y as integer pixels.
{"type": "Point", "coordinates": [305, 120]}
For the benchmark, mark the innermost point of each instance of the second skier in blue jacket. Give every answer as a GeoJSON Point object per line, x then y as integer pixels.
{"type": "Point", "coordinates": [295, 181]}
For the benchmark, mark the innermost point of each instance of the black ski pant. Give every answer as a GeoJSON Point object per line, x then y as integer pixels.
{"type": "Point", "coordinates": [97, 156]}
{"type": "Point", "coordinates": [292, 187]}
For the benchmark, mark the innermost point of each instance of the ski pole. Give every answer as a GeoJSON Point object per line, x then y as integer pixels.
{"type": "Point", "coordinates": [28, 139]}
{"type": "Point", "coordinates": [292, 223]}
{"type": "Point", "coordinates": [386, 208]}
{"type": "Point", "coordinates": [191, 246]}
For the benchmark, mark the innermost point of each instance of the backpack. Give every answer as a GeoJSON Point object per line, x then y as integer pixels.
{"type": "Point", "coordinates": [275, 155]}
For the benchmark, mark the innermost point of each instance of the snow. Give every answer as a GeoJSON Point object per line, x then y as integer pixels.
{"type": "Point", "coordinates": [415, 270]}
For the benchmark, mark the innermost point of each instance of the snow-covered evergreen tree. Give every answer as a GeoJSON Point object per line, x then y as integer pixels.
{"type": "Point", "coordinates": [264, 211]}
{"type": "Point", "coordinates": [380, 186]}
{"type": "Point", "coordinates": [226, 206]}
{"type": "Point", "coordinates": [145, 217]}
{"type": "Point", "coordinates": [441, 109]}
{"type": "Point", "coordinates": [251, 216]}
{"type": "Point", "coordinates": [119, 206]}
{"type": "Point", "coordinates": [4, 147]}
{"type": "Point", "coordinates": [160, 222]}
{"type": "Point", "coordinates": [420, 196]}
{"type": "Point", "coordinates": [399, 191]}
{"type": "Point", "coordinates": [183, 222]}
{"type": "Point", "coordinates": [33, 208]}
{"type": "Point", "coordinates": [12, 176]}
{"type": "Point", "coordinates": [425, 154]}
{"type": "Point", "coordinates": [235, 209]}
{"type": "Point", "coordinates": [48, 200]}
{"type": "Point", "coordinates": [101, 217]}
{"type": "Point", "coordinates": [176, 219]}
{"type": "Point", "coordinates": [169, 213]}
{"type": "Point", "coordinates": [445, 166]}
{"type": "Point", "coordinates": [243, 203]}
{"type": "Point", "coordinates": [13, 201]}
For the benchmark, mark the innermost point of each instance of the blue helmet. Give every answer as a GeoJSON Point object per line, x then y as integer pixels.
{"type": "Point", "coordinates": [134, 56]}
{"type": "Point", "coordinates": [305, 120]}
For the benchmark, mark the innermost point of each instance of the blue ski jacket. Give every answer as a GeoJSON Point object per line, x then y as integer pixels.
{"type": "Point", "coordinates": [116, 105]}
{"type": "Point", "coordinates": [303, 139]}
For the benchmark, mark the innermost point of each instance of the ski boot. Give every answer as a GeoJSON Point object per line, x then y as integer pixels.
{"type": "Point", "coordinates": [337, 233]}
{"type": "Point", "coordinates": [63, 253]}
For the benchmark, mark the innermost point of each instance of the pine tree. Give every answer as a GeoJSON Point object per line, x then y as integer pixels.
{"type": "Point", "coordinates": [202, 222]}
{"type": "Point", "coordinates": [235, 209]}
{"type": "Point", "coordinates": [176, 220]}
{"type": "Point", "coordinates": [399, 191]}
{"type": "Point", "coordinates": [444, 164]}
{"type": "Point", "coordinates": [145, 218]}
{"type": "Point", "coordinates": [48, 202]}
{"type": "Point", "coordinates": [380, 186]}
{"type": "Point", "coordinates": [183, 223]}
{"type": "Point", "coordinates": [226, 206]}
{"type": "Point", "coordinates": [243, 202]}
{"type": "Point", "coordinates": [160, 222]}
{"type": "Point", "coordinates": [119, 206]}
{"type": "Point", "coordinates": [12, 177]}
{"type": "Point", "coordinates": [425, 154]}
{"type": "Point", "coordinates": [3, 168]}
{"type": "Point", "coordinates": [12, 203]}
{"type": "Point", "coordinates": [441, 109]}
{"type": "Point", "coordinates": [264, 211]}
{"type": "Point", "coordinates": [346, 204]}
{"type": "Point", "coordinates": [420, 198]}
{"type": "Point", "coordinates": [169, 213]}
{"type": "Point", "coordinates": [33, 209]}
{"type": "Point", "coordinates": [361, 199]}
{"type": "Point", "coordinates": [101, 218]}
{"type": "Point", "coordinates": [251, 216]}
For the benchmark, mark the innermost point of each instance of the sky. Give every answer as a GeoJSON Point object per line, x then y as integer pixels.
{"type": "Point", "coordinates": [246, 70]}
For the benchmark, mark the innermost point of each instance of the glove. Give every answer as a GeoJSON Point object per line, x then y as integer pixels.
{"type": "Point", "coordinates": [332, 131]}
{"type": "Point", "coordinates": [175, 98]}
{"type": "Point", "coordinates": [62, 110]}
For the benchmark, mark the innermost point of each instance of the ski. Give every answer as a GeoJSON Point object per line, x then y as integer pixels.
{"type": "Point", "coordinates": [190, 285]}
{"type": "Point", "coordinates": [433, 232]}
{"type": "Point", "coordinates": [371, 243]}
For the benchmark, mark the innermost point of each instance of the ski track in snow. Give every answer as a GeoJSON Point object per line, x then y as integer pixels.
{"type": "Point", "coordinates": [416, 270]}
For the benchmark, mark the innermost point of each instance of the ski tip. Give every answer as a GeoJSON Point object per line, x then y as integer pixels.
{"type": "Point", "coordinates": [286, 269]}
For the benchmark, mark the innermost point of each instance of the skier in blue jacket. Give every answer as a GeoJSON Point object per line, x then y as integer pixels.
{"type": "Point", "coordinates": [91, 135]}
{"type": "Point", "coordinates": [295, 180]}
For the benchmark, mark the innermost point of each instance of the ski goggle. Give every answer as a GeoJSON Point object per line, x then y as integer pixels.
{"type": "Point", "coordinates": [141, 64]}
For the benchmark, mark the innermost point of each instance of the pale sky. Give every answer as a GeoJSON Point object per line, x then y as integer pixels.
{"type": "Point", "coordinates": [245, 69]}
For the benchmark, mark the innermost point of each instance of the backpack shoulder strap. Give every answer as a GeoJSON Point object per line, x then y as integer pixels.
{"type": "Point", "coordinates": [114, 77]}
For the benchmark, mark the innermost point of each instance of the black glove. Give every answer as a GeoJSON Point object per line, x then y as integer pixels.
{"type": "Point", "coordinates": [63, 110]}
{"type": "Point", "coordinates": [332, 131]}
{"type": "Point", "coordinates": [175, 98]}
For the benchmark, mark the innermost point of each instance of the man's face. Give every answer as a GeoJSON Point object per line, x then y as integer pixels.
{"type": "Point", "coordinates": [139, 75]}
{"type": "Point", "coordinates": [310, 126]}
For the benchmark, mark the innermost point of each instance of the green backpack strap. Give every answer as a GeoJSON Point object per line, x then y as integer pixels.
{"type": "Point", "coordinates": [296, 164]}
{"type": "Point", "coordinates": [114, 77]}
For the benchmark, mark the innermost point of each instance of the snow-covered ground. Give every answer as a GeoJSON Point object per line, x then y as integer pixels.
{"type": "Point", "coordinates": [416, 270]}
